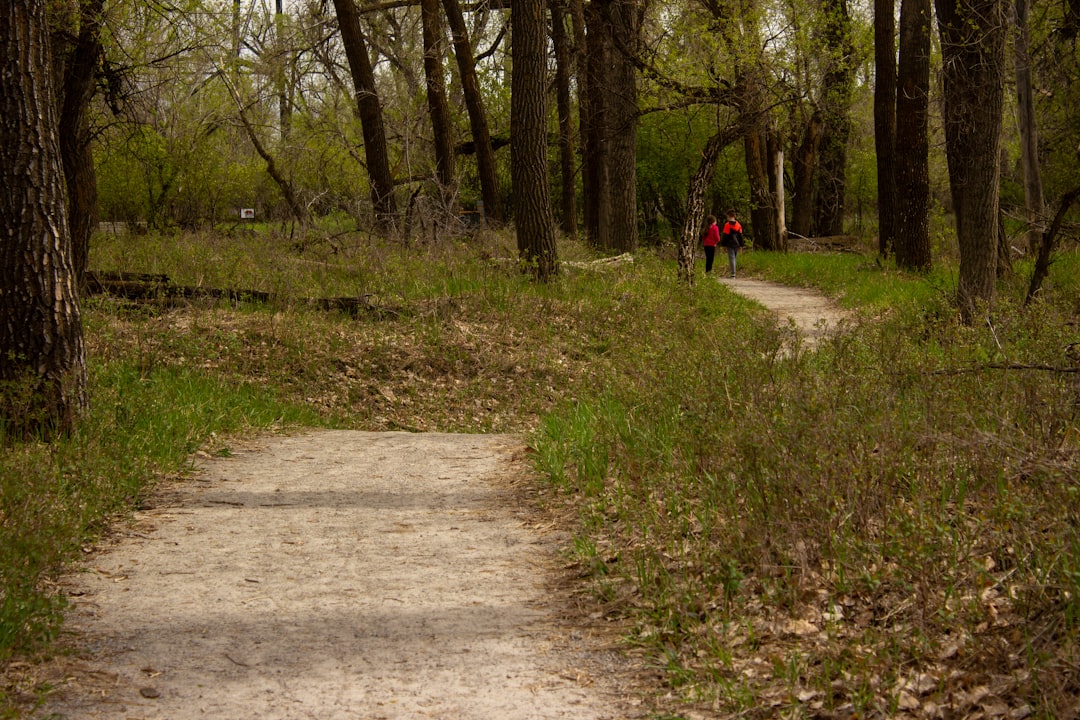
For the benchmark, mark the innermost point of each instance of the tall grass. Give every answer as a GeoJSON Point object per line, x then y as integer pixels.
{"type": "Point", "coordinates": [912, 478]}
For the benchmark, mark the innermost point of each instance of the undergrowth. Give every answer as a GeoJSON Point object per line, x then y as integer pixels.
{"type": "Point", "coordinates": [891, 517]}
{"type": "Point", "coordinates": [878, 526]}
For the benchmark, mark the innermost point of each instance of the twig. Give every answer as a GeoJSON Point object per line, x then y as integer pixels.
{"type": "Point", "coordinates": [1005, 366]}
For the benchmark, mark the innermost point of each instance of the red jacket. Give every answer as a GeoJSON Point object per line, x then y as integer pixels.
{"type": "Point", "coordinates": [732, 234]}
{"type": "Point", "coordinates": [712, 236]}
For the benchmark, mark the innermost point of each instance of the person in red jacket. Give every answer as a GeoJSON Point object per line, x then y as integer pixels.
{"type": "Point", "coordinates": [732, 239]}
{"type": "Point", "coordinates": [709, 239]}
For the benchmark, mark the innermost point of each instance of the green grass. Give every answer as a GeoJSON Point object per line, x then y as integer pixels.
{"type": "Point", "coordinates": [914, 478]}
{"type": "Point", "coordinates": [56, 497]}
{"type": "Point", "coordinates": [854, 280]}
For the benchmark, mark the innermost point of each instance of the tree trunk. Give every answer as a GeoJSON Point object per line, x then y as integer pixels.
{"type": "Point", "coordinates": [912, 240]}
{"type": "Point", "coordinates": [836, 107]}
{"type": "Point", "coordinates": [779, 200]}
{"type": "Point", "coordinates": [581, 74]}
{"type": "Point", "coordinates": [528, 141]}
{"type": "Point", "coordinates": [1034, 203]}
{"type": "Point", "coordinates": [1047, 243]}
{"type": "Point", "coordinates": [79, 75]}
{"type": "Point", "coordinates": [474, 104]}
{"type": "Point", "coordinates": [885, 121]}
{"type": "Point", "coordinates": [298, 209]}
{"type": "Point", "coordinates": [594, 131]}
{"type": "Point", "coordinates": [695, 202]}
{"type": "Point", "coordinates": [973, 78]}
{"type": "Point", "coordinates": [369, 110]}
{"type": "Point", "coordinates": [621, 89]}
{"type": "Point", "coordinates": [802, 203]}
{"type": "Point", "coordinates": [567, 160]}
{"type": "Point", "coordinates": [436, 99]}
{"type": "Point", "coordinates": [762, 206]}
{"type": "Point", "coordinates": [43, 362]}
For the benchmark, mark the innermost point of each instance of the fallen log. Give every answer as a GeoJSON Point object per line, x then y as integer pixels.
{"type": "Point", "coordinates": [149, 287]}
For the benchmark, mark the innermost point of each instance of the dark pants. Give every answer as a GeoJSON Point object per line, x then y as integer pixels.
{"type": "Point", "coordinates": [710, 253]}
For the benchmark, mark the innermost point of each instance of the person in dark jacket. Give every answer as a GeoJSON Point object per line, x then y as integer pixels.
{"type": "Point", "coordinates": [732, 239]}
{"type": "Point", "coordinates": [710, 238]}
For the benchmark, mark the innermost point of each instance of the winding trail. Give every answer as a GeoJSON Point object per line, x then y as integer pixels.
{"type": "Point", "coordinates": [342, 575]}
{"type": "Point", "coordinates": [813, 314]}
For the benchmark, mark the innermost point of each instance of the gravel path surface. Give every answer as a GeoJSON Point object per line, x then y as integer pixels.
{"type": "Point", "coordinates": [335, 575]}
{"type": "Point", "coordinates": [813, 314]}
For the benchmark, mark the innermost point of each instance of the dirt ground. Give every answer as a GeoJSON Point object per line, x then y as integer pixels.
{"type": "Point", "coordinates": [348, 575]}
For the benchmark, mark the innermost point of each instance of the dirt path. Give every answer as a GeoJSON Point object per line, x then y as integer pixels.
{"type": "Point", "coordinates": [335, 575]}
{"type": "Point", "coordinates": [814, 315]}
{"type": "Point", "coordinates": [346, 575]}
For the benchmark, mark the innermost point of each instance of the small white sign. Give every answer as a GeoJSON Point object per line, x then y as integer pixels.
{"type": "Point", "coordinates": [247, 213]}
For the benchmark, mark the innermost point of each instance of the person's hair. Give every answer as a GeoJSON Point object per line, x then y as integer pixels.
{"type": "Point", "coordinates": [730, 212]}
{"type": "Point", "coordinates": [710, 219]}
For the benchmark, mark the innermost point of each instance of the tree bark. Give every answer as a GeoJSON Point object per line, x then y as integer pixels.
{"type": "Point", "coordinates": [79, 64]}
{"type": "Point", "coordinates": [43, 362]}
{"type": "Point", "coordinates": [695, 202]}
{"type": "Point", "coordinates": [621, 90]}
{"type": "Point", "coordinates": [836, 107]}
{"type": "Point", "coordinates": [594, 132]}
{"type": "Point", "coordinates": [912, 240]}
{"type": "Point", "coordinates": [438, 108]}
{"type": "Point", "coordinates": [1034, 203]}
{"type": "Point", "coordinates": [533, 218]}
{"type": "Point", "coordinates": [802, 203]}
{"type": "Point", "coordinates": [973, 78]}
{"type": "Point", "coordinates": [567, 160]}
{"type": "Point", "coordinates": [474, 104]}
{"type": "Point", "coordinates": [885, 121]}
{"type": "Point", "coordinates": [1047, 243]}
{"type": "Point", "coordinates": [582, 76]}
{"type": "Point", "coordinates": [369, 110]}
{"type": "Point", "coordinates": [762, 204]}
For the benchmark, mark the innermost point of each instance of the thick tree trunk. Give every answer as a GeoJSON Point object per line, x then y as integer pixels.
{"type": "Point", "coordinates": [594, 131]}
{"type": "Point", "coordinates": [805, 161]}
{"type": "Point", "coordinates": [436, 98]}
{"type": "Point", "coordinates": [836, 107]}
{"type": "Point", "coordinates": [762, 205]}
{"type": "Point", "coordinates": [567, 160]}
{"type": "Point", "coordinates": [912, 112]}
{"type": "Point", "coordinates": [621, 89]}
{"type": "Point", "coordinates": [474, 104]}
{"type": "Point", "coordinates": [43, 359]}
{"type": "Point", "coordinates": [885, 121]}
{"type": "Point", "coordinates": [79, 64]}
{"type": "Point", "coordinates": [533, 218]}
{"type": "Point", "coordinates": [973, 74]}
{"type": "Point", "coordinates": [369, 110]}
{"type": "Point", "coordinates": [1034, 202]}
